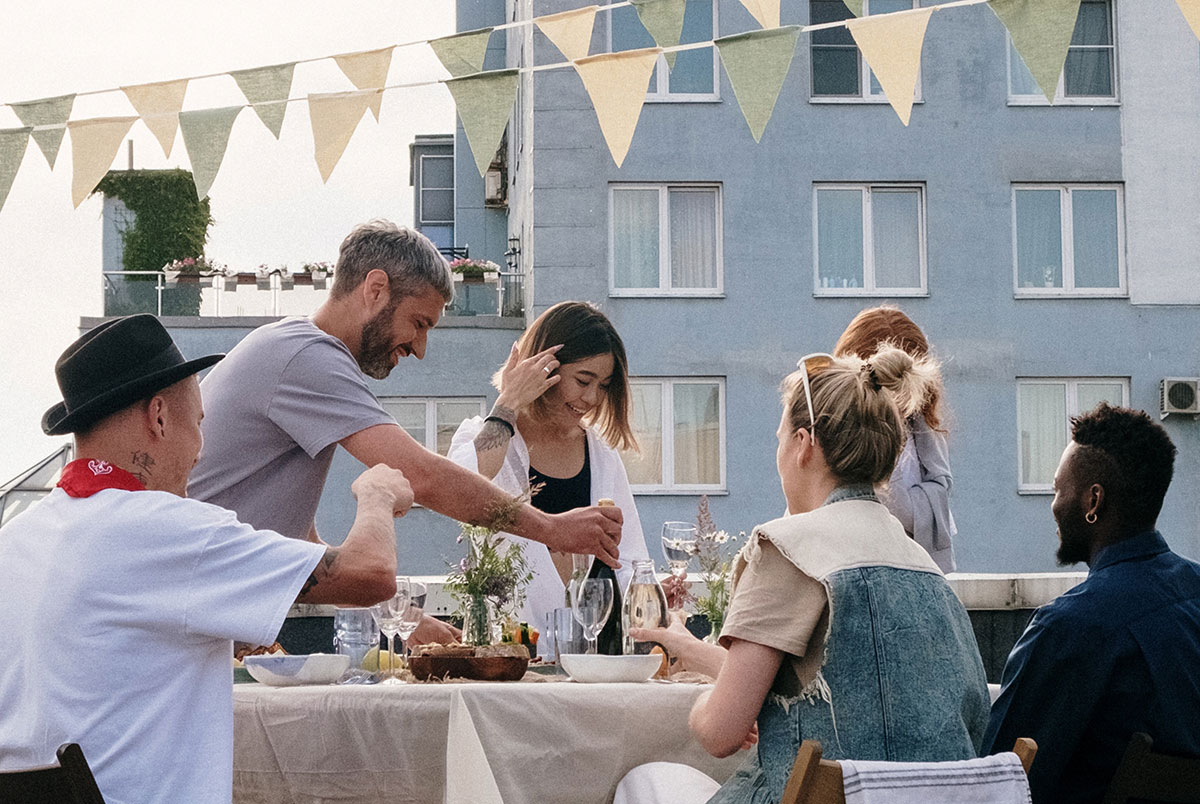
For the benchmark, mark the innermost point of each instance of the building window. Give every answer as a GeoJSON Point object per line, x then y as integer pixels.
{"type": "Point", "coordinates": [1044, 409]}
{"type": "Point", "coordinates": [870, 239]}
{"type": "Point", "coordinates": [1090, 71]}
{"type": "Point", "coordinates": [665, 239]}
{"type": "Point", "coordinates": [694, 76]}
{"type": "Point", "coordinates": [839, 73]}
{"type": "Point", "coordinates": [435, 198]}
{"type": "Point", "coordinates": [680, 427]}
{"type": "Point", "coordinates": [432, 421]}
{"type": "Point", "coordinates": [1069, 239]}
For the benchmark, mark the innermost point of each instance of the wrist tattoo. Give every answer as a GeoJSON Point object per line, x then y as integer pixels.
{"type": "Point", "coordinates": [504, 413]}
{"type": "Point", "coordinates": [321, 572]}
{"type": "Point", "coordinates": [495, 434]}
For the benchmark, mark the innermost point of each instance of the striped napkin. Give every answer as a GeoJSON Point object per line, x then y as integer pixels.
{"type": "Point", "coordinates": [997, 779]}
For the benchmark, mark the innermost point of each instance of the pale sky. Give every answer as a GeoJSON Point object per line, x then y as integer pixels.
{"type": "Point", "coordinates": [268, 200]}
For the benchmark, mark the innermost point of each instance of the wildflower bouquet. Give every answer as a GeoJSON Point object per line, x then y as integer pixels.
{"type": "Point", "coordinates": [716, 564]}
{"type": "Point", "coordinates": [488, 583]}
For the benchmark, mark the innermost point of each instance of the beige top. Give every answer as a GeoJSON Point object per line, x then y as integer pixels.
{"type": "Point", "coordinates": [777, 605]}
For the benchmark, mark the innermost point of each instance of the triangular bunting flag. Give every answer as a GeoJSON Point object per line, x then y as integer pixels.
{"type": "Point", "coordinates": [617, 84]}
{"type": "Point", "coordinates": [757, 62]}
{"type": "Point", "coordinates": [1041, 32]}
{"type": "Point", "coordinates": [159, 105]}
{"type": "Point", "coordinates": [46, 112]}
{"type": "Point", "coordinates": [13, 142]}
{"type": "Point", "coordinates": [1191, 12]}
{"type": "Point", "coordinates": [855, 6]}
{"type": "Point", "coordinates": [368, 70]}
{"type": "Point", "coordinates": [94, 145]}
{"type": "Point", "coordinates": [484, 102]}
{"type": "Point", "coordinates": [570, 31]}
{"type": "Point", "coordinates": [891, 44]}
{"type": "Point", "coordinates": [206, 136]}
{"type": "Point", "coordinates": [334, 117]}
{"type": "Point", "coordinates": [663, 19]}
{"type": "Point", "coordinates": [462, 54]}
{"type": "Point", "coordinates": [267, 89]}
{"type": "Point", "coordinates": [766, 11]}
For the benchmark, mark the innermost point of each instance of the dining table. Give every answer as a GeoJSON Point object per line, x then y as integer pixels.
{"type": "Point", "coordinates": [544, 739]}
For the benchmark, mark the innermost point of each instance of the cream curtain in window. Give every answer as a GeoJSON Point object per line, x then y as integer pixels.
{"type": "Point", "coordinates": [895, 228]}
{"type": "Point", "coordinates": [635, 237]}
{"type": "Point", "coordinates": [693, 238]}
{"type": "Point", "coordinates": [645, 469]}
{"type": "Point", "coordinates": [697, 434]}
{"type": "Point", "coordinates": [1039, 239]}
{"type": "Point", "coordinates": [1042, 408]}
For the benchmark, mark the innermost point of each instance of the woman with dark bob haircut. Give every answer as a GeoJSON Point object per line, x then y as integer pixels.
{"type": "Point", "coordinates": [558, 423]}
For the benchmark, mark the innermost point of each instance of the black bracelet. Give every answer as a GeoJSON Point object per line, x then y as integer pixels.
{"type": "Point", "coordinates": [512, 431]}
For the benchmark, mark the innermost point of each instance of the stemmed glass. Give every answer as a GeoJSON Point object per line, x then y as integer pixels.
{"type": "Point", "coordinates": [411, 617]}
{"type": "Point", "coordinates": [389, 617]}
{"type": "Point", "coordinates": [679, 545]}
{"type": "Point", "coordinates": [591, 606]}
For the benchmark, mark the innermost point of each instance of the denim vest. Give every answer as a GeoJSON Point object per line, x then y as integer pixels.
{"type": "Point", "coordinates": [901, 677]}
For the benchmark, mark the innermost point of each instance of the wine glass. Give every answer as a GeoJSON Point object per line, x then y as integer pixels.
{"type": "Point", "coordinates": [389, 617]}
{"type": "Point", "coordinates": [679, 545]}
{"type": "Point", "coordinates": [413, 612]}
{"type": "Point", "coordinates": [591, 606]}
{"type": "Point", "coordinates": [581, 566]}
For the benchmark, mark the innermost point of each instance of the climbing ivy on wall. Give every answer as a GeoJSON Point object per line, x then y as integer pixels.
{"type": "Point", "coordinates": [170, 223]}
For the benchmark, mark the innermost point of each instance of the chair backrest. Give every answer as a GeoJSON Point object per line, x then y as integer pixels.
{"type": "Point", "coordinates": [1147, 776]}
{"type": "Point", "coordinates": [68, 782]}
{"type": "Point", "coordinates": [819, 781]}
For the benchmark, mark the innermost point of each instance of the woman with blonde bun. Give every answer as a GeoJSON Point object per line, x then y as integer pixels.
{"type": "Point", "coordinates": [840, 628]}
{"type": "Point", "coordinates": [918, 493]}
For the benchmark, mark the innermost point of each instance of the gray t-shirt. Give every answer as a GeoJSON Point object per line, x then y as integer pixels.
{"type": "Point", "coordinates": [274, 411]}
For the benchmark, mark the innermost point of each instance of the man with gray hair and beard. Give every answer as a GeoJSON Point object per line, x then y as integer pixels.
{"type": "Point", "coordinates": [291, 391]}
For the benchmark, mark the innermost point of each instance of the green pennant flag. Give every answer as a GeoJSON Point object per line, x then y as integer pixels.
{"type": "Point", "coordinates": [46, 112]}
{"type": "Point", "coordinates": [855, 6]}
{"type": "Point", "coordinates": [206, 136]}
{"type": "Point", "coordinates": [13, 142]}
{"type": "Point", "coordinates": [484, 102]}
{"type": "Point", "coordinates": [267, 89]}
{"type": "Point", "coordinates": [462, 54]}
{"type": "Point", "coordinates": [663, 19]}
{"type": "Point", "coordinates": [1041, 32]}
{"type": "Point", "coordinates": [757, 62]}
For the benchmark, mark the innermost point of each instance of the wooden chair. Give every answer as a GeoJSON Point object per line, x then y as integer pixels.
{"type": "Point", "coordinates": [1147, 776]}
{"type": "Point", "coordinates": [819, 781]}
{"type": "Point", "coordinates": [68, 782]}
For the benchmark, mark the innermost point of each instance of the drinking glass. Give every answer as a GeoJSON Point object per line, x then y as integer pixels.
{"type": "Point", "coordinates": [411, 617]}
{"type": "Point", "coordinates": [581, 566]}
{"type": "Point", "coordinates": [389, 616]}
{"type": "Point", "coordinates": [354, 634]}
{"type": "Point", "coordinates": [679, 545]}
{"type": "Point", "coordinates": [591, 606]}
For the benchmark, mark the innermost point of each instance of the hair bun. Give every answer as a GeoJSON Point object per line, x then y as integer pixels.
{"type": "Point", "coordinates": [910, 380]}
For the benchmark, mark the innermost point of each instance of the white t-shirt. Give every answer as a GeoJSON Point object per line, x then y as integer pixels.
{"type": "Point", "coordinates": [119, 612]}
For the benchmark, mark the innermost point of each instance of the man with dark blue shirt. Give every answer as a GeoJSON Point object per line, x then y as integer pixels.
{"type": "Point", "coordinates": [1119, 653]}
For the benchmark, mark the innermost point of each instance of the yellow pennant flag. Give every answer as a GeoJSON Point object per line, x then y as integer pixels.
{"type": "Point", "coordinates": [1041, 32]}
{"type": "Point", "coordinates": [368, 70]}
{"type": "Point", "coordinates": [891, 44]}
{"type": "Point", "coordinates": [462, 53]}
{"type": "Point", "coordinates": [1191, 12]}
{"type": "Point", "coordinates": [159, 105]}
{"type": "Point", "coordinates": [334, 117]}
{"type": "Point", "coordinates": [617, 84]}
{"type": "Point", "coordinates": [484, 102]}
{"type": "Point", "coordinates": [94, 146]}
{"type": "Point", "coordinates": [51, 113]}
{"type": "Point", "coordinates": [765, 11]}
{"type": "Point", "coordinates": [570, 31]}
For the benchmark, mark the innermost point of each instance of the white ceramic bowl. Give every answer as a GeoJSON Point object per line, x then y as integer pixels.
{"type": "Point", "coordinates": [289, 671]}
{"type": "Point", "coordinates": [597, 668]}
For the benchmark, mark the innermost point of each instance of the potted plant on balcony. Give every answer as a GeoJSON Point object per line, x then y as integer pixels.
{"type": "Point", "coordinates": [319, 271]}
{"type": "Point", "coordinates": [476, 287]}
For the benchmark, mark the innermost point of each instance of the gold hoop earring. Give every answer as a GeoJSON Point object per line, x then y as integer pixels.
{"type": "Point", "coordinates": [1090, 517]}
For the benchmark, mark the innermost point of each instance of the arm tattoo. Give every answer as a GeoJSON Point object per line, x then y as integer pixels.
{"type": "Point", "coordinates": [503, 412]}
{"type": "Point", "coordinates": [493, 435]}
{"type": "Point", "coordinates": [321, 572]}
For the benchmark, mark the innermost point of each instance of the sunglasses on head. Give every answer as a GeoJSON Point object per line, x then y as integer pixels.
{"type": "Point", "coordinates": [818, 360]}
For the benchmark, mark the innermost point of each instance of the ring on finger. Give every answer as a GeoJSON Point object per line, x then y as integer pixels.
{"type": "Point", "coordinates": [546, 369]}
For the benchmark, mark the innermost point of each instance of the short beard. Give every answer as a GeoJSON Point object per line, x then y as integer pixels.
{"type": "Point", "coordinates": [375, 345]}
{"type": "Point", "coordinates": [1073, 545]}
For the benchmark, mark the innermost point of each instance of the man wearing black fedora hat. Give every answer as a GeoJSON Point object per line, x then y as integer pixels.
{"type": "Point", "coordinates": [149, 589]}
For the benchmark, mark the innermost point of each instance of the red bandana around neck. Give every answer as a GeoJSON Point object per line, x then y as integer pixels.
{"type": "Point", "coordinates": [84, 477]}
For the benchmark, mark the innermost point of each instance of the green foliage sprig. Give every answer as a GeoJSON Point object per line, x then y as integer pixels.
{"type": "Point", "coordinates": [493, 568]}
{"type": "Point", "coordinates": [715, 556]}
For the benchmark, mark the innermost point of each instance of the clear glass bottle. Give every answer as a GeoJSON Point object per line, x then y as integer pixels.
{"type": "Point", "coordinates": [645, 606]}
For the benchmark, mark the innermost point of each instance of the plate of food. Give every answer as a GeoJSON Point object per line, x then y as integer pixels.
{"type": "Point", "coordinates": [593, 668]}
{"type": "Point", "coordinates": [506, 662]}
{"type": "Point", "coordinates": [283, 670]}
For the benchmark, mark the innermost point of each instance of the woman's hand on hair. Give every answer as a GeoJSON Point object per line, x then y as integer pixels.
{"type": "Point", "coordinates": [523, 381]}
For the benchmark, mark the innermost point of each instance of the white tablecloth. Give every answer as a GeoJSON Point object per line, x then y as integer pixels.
{"type": "Point", "coordinates": [543, 742]}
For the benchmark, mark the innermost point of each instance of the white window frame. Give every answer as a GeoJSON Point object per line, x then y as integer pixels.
{"type": "Point", "coordinates": [664, 242]}
{"type": "Point", "coordinates": [431, 403]}
{"type": "Point", "coordinates": [667, 423]}
{"type": "Point", "coordinates": [662, 73]}
{"type": "Point", "coordinates": [1066, 218]}
{"type": "Point", "coordinates": [421, 221]}
{"type": "Point", "coordinates": [869, 288]}
{"type": "Point", "coordinates": [865, 95]}
{"type": "Point", "coordinates": [1072, 397]}
{"type": "Point", "coordinates": [1061, 99]}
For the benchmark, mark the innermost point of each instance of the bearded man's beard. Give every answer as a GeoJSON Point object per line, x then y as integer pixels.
{"type": "Point", "coordinates": [375, 345]}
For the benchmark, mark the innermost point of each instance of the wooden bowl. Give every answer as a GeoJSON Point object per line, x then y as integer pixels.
{"type": "Point", "coordinates": [486, 668]}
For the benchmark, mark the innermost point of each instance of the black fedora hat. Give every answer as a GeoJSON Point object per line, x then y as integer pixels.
{"type": "Point", "coordinates": [113, 366]}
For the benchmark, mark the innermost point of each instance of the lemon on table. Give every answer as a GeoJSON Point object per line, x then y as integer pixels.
{"type": "Point", "coordinates": [376, 660]}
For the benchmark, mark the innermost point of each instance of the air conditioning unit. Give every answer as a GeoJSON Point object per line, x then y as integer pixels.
{"type": "Point", "coordinates": [1179, 395]}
